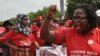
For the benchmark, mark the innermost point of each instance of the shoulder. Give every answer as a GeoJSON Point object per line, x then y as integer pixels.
{"type": "Point", "coordinates": [96, 31]}
{"type": "Point", "coordinates": [66, 29]}
{"type": "Point", "coordinates": [12, 31]}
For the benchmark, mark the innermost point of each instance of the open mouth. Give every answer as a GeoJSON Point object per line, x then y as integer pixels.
{"type": "Point", "coordinates": [77, 27]}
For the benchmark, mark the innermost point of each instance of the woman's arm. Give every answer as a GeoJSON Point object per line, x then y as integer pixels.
{"type": "Point", "coordinates": [7, 36]}
{"type": "Point", "coordinates": [36, 44]}
{"type": "Point", "coordinates": [45, 33]}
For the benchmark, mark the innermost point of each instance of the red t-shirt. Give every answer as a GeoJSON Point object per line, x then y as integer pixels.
{"type": "Point", "coordinates": [2, 30]}
{"type": "Point", "coordinates": [77, 44]}
{"type": "Point", "coordinates": [18, 38]}
{"type": "Point", "coordinates": [37, 37]}
{"type": "Point", "coordinates": [36, 33]}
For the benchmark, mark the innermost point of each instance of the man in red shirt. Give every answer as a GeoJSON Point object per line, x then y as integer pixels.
{"type": "Point", "coordinates": [81, 40]}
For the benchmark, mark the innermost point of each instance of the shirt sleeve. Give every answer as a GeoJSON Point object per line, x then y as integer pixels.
{"type": "Point", "coordinates": [7, 36]}
{"type": "Point", "coordinates": [59, 36]}
{"type": "Point", "coordinates": [95, 43]}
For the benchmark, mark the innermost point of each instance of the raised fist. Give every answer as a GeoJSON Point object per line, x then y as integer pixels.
{"type": "Point", "coordinates": [52, 10]}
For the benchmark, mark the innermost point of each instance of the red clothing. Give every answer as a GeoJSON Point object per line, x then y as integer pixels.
{"type": "Point", "coordinates": [77, 44]}
{"type": "Point", "coordinates": [36, 33]}
{"type": "Point", "coordinates": [2, 30]}
{"type": "Point", "coordinates": [37, 38]}
{"type": "Point", "coordinates": [34, 27]}
{"type": "Point", "coordinates": [54, 26]}
{"type": "Point", "coordinates": [18, 38]}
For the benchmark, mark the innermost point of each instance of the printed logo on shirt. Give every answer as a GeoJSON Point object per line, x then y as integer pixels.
{"type": "Point", "coordinates": [82, 53]}
{"type": "Point", "coordinates": [25, 43]}
{"type": "Point", "coordinates": [90, 42]}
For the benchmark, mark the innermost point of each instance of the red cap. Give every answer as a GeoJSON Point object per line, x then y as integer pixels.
{"type": "Point", "coordinates": [39, 18]}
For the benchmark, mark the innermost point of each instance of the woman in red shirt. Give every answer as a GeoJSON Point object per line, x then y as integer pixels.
{"type": "Point", "coordinates": [35, 27]}
{"type": "Point", "coordinates": [81, 40]}
{"type": "Point", "coordinates": [21, 40]}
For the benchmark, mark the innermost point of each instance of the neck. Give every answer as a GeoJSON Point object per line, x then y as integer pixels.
{"type": "Point", "coordinates": [85, 31]}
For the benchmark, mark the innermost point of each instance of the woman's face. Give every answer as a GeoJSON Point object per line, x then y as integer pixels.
{"type": "Point", "coordinates": [80, 20]}
{"type": "Point", "coordinates": [24, 20]}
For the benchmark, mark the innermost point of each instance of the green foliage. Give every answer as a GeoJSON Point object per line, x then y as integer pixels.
{"type": "Point", "coordinates": [70, 7]}
{"type": "Point", "coordinates": [58, 14]}
{"type": "Point", "coordinates": [12, 20]}
{"type": "Point", "coordinates": [71, 4]}
{"type": "Point", "coordinates": [33, 15]}
{"type": "Point", "coordinates": [1, 22]}
{"type": "Point", "coordinates": [43, 12]}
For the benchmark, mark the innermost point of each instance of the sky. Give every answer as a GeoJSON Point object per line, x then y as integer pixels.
{"type": "Point", "coordinates": [10, 8]}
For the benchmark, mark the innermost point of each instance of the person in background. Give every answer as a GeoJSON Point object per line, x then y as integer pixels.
{"type": "Point", "coordinates": [54, 26]}
{"type": "Point", "coordinates": [2, 32]}
{"type": "Point", "coordinates": [68, 23]}
{"type": "Point", "coordinates": [35, 27]}
{"type": "Point", "coordinates": [81, 40]}
{"type": "Point", "coordinates": [7, 25]}
{"type": "Point", "coordinates": [36, 24]}
{"type": "Point", "coordinates": [22, 42]}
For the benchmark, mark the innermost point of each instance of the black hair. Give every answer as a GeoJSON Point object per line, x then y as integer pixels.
{"type": "Point", "coordinates": [98, 21]}
{"type": "Point", "coordinates": [23, 16]}
{"type": "Point", "coordinates": [90, 13]}
{"type": "Point", "coordinates": [38, 22]}
{"type": "Point", "coordinates": [7, 23]}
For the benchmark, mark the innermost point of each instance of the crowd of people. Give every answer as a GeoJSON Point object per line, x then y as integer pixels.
{"type": "Point", "coordinates": [80, 35]}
